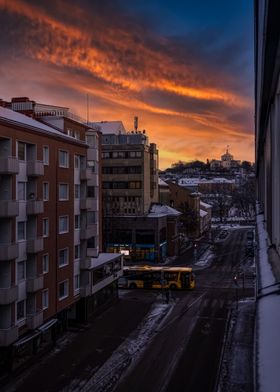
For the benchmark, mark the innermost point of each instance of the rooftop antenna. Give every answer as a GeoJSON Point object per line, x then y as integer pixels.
{"type": "Point", "coordinates": [135, 123]}
{"type": "Point", "coordinates": [87, 110]}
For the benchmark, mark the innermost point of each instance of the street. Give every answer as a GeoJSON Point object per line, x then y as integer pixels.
{"type": "Point", "coordinates": [142, 343]}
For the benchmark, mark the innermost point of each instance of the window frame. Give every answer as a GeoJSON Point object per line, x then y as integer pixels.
{"type": "Point", "coordinates": [67, 257]}
{"type": "Point", "coordinates": [64, 230]}
{"type": "Point", "coordinates": [46, 225]}
{"type": "Point", "coordinates": [60, 298]}
{"type": "Point", "coordinates": [60, 186]}
{"type": "Point", "coordinates": [63, 164]}
{"type": "Point", "coordinates": [46, 155]}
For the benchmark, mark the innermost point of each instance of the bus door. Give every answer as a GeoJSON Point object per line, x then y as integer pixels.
{"type": "Point", "coordinates": [185, 280]}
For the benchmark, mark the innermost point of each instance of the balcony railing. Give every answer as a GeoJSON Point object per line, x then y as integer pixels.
{"type": "Point", "coordinates": [8, 295]}
{"type": "Point", "coordinates": [35, 245]}
{"type": "Point", "coordinates": [8, 251]}
{"type": "Point", "coordinates": [35, 168]}
{"type": "Point", "coordinates": [34, 284]}
{"type": "Point", "coordinates": [9, 165]}
{"type": "Point", "coordinates": [9, 208]}
{"type": "Point", "coordinates": [34, 207]}
{"type": "Point", "coordinates": [34, 320]}
{"type": "Point", "coordinates": [88, 204]}
{"type": "Point", "coordinates": [8, 336]}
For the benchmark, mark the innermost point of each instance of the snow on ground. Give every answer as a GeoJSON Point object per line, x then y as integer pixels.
{"type": "Point", "coordinates": [127, 353]}
{"type": "Point", "coordinates": [205, 260]}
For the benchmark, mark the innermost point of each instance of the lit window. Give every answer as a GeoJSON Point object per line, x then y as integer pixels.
{"type": "Point", "coordinates": [63, 158]}
{"type": "Point", "coordinates": [63, 192]}
{"type": "Point", "coordinates": [46, 155]}
{"type": "Point", "coordinates": [63, 224]}
{"type": "Point", "coordinates": [63, 290]}
{"type": "Point", "coordinates": [63, 257]}
{"type": "Point", "coordinates": [45, 263]}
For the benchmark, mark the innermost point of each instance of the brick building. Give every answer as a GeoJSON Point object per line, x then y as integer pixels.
{"type": "Point", "coordinates": [51, 267]}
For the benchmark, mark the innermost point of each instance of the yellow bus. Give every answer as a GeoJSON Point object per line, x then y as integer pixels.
{"type": "Point", "coordinates": [159, 277]}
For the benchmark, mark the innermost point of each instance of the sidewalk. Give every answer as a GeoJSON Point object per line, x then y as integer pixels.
{"type": "Point", "coordinates": [77, 354]}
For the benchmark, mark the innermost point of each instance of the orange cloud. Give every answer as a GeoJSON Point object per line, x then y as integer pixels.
{"type": "Point", "coordinates": [110, 64]}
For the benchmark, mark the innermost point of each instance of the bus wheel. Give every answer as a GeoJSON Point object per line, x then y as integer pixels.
{"type": "Point", "coordinates": [173, 287]}
{"type": "Point", "coordinates": [133, 286]}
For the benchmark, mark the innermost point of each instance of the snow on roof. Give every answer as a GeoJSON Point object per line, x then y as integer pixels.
{"type": "Point", "coordinates": [205, 205]}
{"type": "Point", "coordinates": [202, 213]}
{"type": "Point", "coordinates": [25, 121]}
{"type": "Point", "coordinates": [189, 181]}
{"type": "Point", "coordinates": [157, 210]}
{"type": "Point", "coordinates": [107, 127]}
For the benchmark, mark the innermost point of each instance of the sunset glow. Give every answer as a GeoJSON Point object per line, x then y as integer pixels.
{"type": "Point", "coordinates": [192, 101]}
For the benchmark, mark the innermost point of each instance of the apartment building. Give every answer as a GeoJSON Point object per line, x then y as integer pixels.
{"type": "Point", "coordinates": [267, 104]}
{"type": "Point", "coordinates": [51, 265]}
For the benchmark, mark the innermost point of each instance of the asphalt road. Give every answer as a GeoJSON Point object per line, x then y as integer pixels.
{"type": "Point", "coordinates": [185, 354]}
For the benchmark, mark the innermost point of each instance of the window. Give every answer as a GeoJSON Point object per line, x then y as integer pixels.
{"type": "Point", "coordinates": [45, 298]}
{"type": "Point", "coordinates": [21, 231]}
{"type": "Point", "coordinates": [21, 274]}
{"type": "Point", "coordinates": [90, 191]}
{"type": "Point", "coordinates": [63, 257]}
{"type": "Point", "coordinates": [63, 159]}
{"type": "Point", "coordinates": [77, 221]}
{"type": "Point", "coordinates": [77, 282]}
{"type": "Point", "coordinates": [45, 227]}
{"type": "Point", "coordinates": [21, 191]}
{"type": "Point", "coordinates": [45, 191]}
{"type": "Point", "coordinates": [63, 290]}
{"type": "Point", "coordinates": [46, 155]}
{"type": "Point", "coordinates": [20, 310]}
{"type": "Point", "coordinates": [90, 217]}
{"type": "Point", "coordinates": [77, 191]}
{"type": "Point", "coordinates": [45, 263]}
{"type": "Point", "coordinates": [77, 161]}
{"type": "Point", "coordinates": [63, 191]}
{"type": "Point", "coordinates": [77, 251]}
{"type": "Point", "coordinates": [63, 224]}
{"type": "Point", "coordinates": [21, 151]}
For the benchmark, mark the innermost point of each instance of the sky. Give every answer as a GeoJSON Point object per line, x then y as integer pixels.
{"type": "Point", "coordinates": [185, 68]}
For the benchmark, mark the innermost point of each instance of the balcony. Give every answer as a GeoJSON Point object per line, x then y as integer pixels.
{"type": "Point", "coordinates": [35, 168]}
{"type": "Point", "coordinates": [34, 284]}
{"type": "Point", "coordinates": [34, 207]}
{"type": "Point", "coordinates": [8, 336]}
{"type": "Point", "coordinates": [88, 232]}
{"type": "Point", "coordinates": [88, 204]}
{"type": "Point", "coordinates": [8, 251]}
{"type": "Point", "coordinates": [35, 245]}
{"type": "Point", "coordinates": [8, 295]}
{"type": "Point", "coordinates": [34, 320]}
{"type": "Point", "coordinates": [9, 165]}
{"type": "Point", "coordinates": [9, 208]}
{"type": "Point", "coordinates": [86, 174]}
